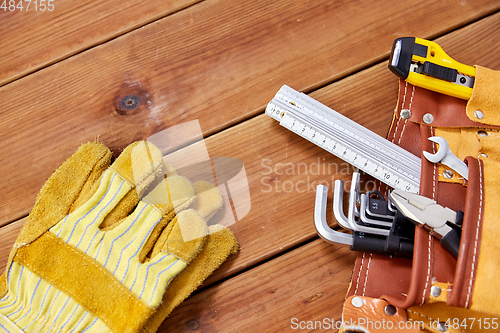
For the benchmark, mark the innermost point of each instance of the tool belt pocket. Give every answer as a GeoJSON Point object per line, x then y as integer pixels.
{"type": "Point", "coordinates": [434, 285]}
{"type": "Point", "coordinates": [471, 129]}
{"type": "Point", "coordinates": [475, 285]}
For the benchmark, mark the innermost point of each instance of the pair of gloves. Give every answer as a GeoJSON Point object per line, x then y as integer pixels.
{"type": "Point", "coordinates": [112, 248]}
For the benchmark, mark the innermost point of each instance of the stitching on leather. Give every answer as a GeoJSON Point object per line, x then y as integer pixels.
{"type": "Point", "coordinates": [359, 274]}
{"type": "Point", "coordinates": [406, 120]}
{"type": "Point", "coordinates": [430, 237]}
{"type": "Point", "coordinates": [428, 269]}
{"type": "Point", "coordinates": [469, 289]}
{"type": "Point", "coordinates": [399, 119]}
{"type": "Point", "coordinates": [434, 178]}
{"type": "Point", "coordinates": [366, 276]}
{"type": "Point", "coordinates": [396, 129]}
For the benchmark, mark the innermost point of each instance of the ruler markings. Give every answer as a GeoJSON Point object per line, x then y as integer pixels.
{"type": "Point", "coordinates": [346, 139]}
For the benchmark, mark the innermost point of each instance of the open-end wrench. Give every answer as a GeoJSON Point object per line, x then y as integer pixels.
{"type": "Point", "coordinates": [445, 156]}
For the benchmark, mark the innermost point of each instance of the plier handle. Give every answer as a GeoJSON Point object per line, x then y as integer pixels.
{"type": "Point", "coordinates": [441, 222]}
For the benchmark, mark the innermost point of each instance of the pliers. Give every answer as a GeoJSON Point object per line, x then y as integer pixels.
{"type": "Point", "coordinates": [441, 222]}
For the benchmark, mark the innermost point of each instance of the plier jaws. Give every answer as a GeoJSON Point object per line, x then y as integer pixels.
{"type": "Point", "coordinates": [441, 222]}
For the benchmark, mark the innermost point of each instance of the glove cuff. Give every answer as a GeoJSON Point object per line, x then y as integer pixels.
{"type": "Point", "coordinates": [79, 278]}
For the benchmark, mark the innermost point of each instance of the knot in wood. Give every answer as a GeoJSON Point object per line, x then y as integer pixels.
{"type": "Point", "coordinates": [131, 100]}
{"type": "Point", "coordinates": [193, 324]}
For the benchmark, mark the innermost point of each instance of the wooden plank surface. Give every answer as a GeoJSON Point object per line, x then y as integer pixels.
{"type": "Point", "coordinates": [44, 32]}
{"type": "Point", "coordinates": [312, 285]}
{"type": "Point", "coordinates": [283, 169]}
{"type": "Point", "coordinates": [219, 62]}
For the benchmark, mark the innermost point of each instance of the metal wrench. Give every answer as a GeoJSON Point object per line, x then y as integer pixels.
{"type": "Point", "coordinates": [357, 241]}
{"type": "Point", "coordinates": [322, 227]}
{"type": "Point", "coordinates": [445, 156]}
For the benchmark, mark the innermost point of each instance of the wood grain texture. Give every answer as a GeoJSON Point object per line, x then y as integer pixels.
{"type": "Point", "coordinates": [219, 62]}
{"type": "Point", "coordinates": [283, 169]}
{"type": "Point", "coordinates": [312, 284]}
{"type": "Point", "coordinates": [282, 271]}
{"type": "Point", "coordinates": [37, 35]}
{"type": "Point", "coordinates": [8, 237]}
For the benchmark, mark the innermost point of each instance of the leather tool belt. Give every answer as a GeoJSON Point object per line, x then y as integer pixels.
{"type": "Point", "coordinates": [434, 291]}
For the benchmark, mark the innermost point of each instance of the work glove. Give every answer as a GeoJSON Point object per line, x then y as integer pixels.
{"type": "Point", "coordinates": [83, 261]}
{"type": "Point", "coordinates": [220, 243]}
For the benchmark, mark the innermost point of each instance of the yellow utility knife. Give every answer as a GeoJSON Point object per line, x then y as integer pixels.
{"type": "Point", "coordinates": [424, 64]}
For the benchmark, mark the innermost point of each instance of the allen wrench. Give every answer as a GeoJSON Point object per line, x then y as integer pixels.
{"type": "Point", "coordinates": [353, 199]}
{"type": "Point", "coordinates": [322, 227]}
{"type": "Point", "coordinates": [357, 241]}
{"type": "Point", "coordinates": [365, 218]}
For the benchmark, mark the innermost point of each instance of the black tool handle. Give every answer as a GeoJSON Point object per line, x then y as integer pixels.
{"type": "Point", "coordinates": [364, 242]}
{"type": "Point", "coordinates": [377, 244]}
{"type": "Point", "coordinates": [451, 241]}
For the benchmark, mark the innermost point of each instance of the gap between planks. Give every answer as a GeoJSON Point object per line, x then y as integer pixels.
{"type": "Point", "coordinates": [302, 45]}
{"type": "Point", "coordinates": [343, 95]}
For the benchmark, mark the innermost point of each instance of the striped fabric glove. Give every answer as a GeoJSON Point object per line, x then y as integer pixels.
{"type": "Point", "coordinates": [83, 261]}
{"type": "Point", "coordinates": [219, 245]}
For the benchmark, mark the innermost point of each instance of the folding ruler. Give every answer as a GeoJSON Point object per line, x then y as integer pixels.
{"type": "Point", "coordinates": [346, 139]}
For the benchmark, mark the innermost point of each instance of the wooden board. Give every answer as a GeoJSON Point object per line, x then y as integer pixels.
{"type": "Point", "coordinates": [312, 284]}
{"type": "Point", "coordinates": [219, 62]}
{"type": "Point", "coordinates": [43, 32]}
{"type": "Point", "coordinates": [283, 169]}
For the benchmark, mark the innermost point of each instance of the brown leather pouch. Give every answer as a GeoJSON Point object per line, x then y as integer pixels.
{"type": "Point", "coordinates": [434, 283]}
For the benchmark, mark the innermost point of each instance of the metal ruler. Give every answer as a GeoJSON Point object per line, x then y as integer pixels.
{"type": "Point", "coordinates": [346, 139]}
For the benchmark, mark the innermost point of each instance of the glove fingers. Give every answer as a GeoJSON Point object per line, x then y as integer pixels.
{"type": "Point", "coordinates": [187, 236]}
{"type": "Point", "coordinates": [69, 186]}
{"type": "Point", "coordinates": [171, 196]}
{"type": "Point", "coordinates": [219, 245]}
{"type": "Point", "coordinates": [139, 164]}
{"type": "Point", "coordinates": [130, 201]}
{"type": "Point", "coordinates": [184, 242]}
{"type": "Point", "coordinates": [209, 199]}
{"type": "Point", "coordinates": [208, 202]}
{"type": "Point", "coordinates": [126, 205]}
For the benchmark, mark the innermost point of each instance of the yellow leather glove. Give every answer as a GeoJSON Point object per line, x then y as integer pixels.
{"type": "Point", "coordinates": [82, 261]}
{"type": "Point", "coordinates": [220, 243]}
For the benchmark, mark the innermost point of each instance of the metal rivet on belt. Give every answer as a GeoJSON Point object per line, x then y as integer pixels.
{"type": "Point", "coordinates": [447, 174]}
{"type": "Point", "coordinates": [442, 327]}
{"type": "Point", "coordinates": [479, 114]}
{"type": "Point", "coordinates": [482, 133]}
{"type": "Point", "coordinates": [428, 118]}
{"type": "Point", "coordinates": [390, 310]}
{"type": "Point", "coordinates": [435, 290]}
{"type": "Point", "coordinates": [405, 114]}
{"type": "Point", "coordinates": [357, 302]}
